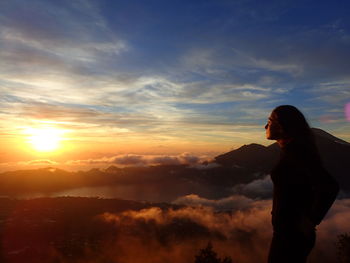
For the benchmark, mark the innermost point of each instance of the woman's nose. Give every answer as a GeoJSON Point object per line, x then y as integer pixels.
{"type": "Point", "coordinates": [266, 126]}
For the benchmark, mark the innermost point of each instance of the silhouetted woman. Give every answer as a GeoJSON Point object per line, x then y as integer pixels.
{"type": "Point", "coordinates": [303, 190]}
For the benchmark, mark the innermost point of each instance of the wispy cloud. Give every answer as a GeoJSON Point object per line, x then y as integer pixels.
{"type": "Point", "coordinates": [95, 67]}
{"type": "Point", "coordinates": [229, 203]}
{"type": "Point", "coordinates": [141, 160]}
{"type": "Point", "coordinates": [120, 160]}
{"type": "Point", "coordinates": [244, 233]}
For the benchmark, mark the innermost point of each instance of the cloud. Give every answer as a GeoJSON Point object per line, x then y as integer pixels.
{"type": "Point", "coordinates": [63, 46]}
{"type": "Point", "coordinates": [40, 162]}
{"type": "Point", "coordinates": [206, 166]}
{"type": "Point", "coordinates": [260, 188]}
{"type": "Point", "coordinates": [335, 223]}
{"type": "Point", "coordinates": [156, 121]}
{"type": "Point", "coordinates": [155, 233]}
{"type": "Point", "coordinates": [141, 160]}
{"type": "Point", "coordinates": [229, 203]}
{"type": "Point", "coordinates": [128, 160]}
{"type": "Point", "coordinates": [334, 93]}
{"type": "Point", "coordinates": [244, 234]}
{"type": "Point", "coordinates": [45, 111]}
{"type": "Point", "coordinates": [222, 223]}
{"type": "Point", "coordinates": [188, 229]}
{"type": "Point", "coordinates": [76, 62]}
{"type": "Point", "coordinates": [59, 29]}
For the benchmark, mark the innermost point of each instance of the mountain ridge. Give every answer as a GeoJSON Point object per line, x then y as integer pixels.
{"type": "Point", "coordinates": [334, 153]}
{"type": "Point", "coordinates": [213, 180]}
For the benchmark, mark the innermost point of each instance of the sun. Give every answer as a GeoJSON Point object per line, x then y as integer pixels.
{"type": "Point", "coordinates": [44, 139]}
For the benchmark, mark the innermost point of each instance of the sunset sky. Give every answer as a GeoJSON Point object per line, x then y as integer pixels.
{"type": "Point", "coordinates": [90, 82]}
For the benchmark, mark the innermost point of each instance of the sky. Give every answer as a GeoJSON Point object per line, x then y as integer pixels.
{"type": "Point", "coordinates": [88, 81]}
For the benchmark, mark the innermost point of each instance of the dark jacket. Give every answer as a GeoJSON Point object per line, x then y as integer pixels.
{"type": "Point", "coordinates": [302, 187]}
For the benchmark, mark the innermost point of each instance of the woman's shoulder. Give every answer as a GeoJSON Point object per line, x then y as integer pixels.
{"type": "Point", "coordinates": [303, 152]}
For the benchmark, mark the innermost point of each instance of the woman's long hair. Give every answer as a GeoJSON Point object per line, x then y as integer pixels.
{"type": "Point", "coordinates": [296, 127]}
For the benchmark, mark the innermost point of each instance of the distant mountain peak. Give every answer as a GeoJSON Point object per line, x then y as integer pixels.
{"type": "Point", "coordinates": [252, 156]}
{"type": "Point", "coordinates": [252, 146]}
{"type": "Point", "coordinates": [261, 158]}
{"type": "Point", "coordinates": [323, 134]}
{"type": "Point", "coordinates": [112, 169]}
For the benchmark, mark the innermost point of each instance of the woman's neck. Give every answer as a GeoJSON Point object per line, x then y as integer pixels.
{"type": "Point", "coordinates": [283, 142]}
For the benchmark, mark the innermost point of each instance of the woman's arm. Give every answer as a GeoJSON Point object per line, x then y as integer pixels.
{"type": "Point", "coordinates": [324, 192]}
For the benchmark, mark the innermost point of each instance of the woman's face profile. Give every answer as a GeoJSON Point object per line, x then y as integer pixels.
{"type": "Point", "coordinates": [273, 129]}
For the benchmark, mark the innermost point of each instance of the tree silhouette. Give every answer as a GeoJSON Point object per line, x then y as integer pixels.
{"type": "Point", "coordinates": [343, 248]}
{"type": "Point", "coordinates": [208, 255]}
